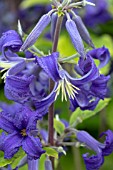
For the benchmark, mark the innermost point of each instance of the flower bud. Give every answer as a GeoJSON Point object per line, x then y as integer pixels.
{"type": "Point", "coordinates": [35, 33]}
{"type": "Point", "coordinates": [53, 25]}
{"type": "Point", "coordinates": [83, 31]}
{"type": "Point", "coordinates": [48, 165]}
{"type": "Point", "coordinates": [75, 37]}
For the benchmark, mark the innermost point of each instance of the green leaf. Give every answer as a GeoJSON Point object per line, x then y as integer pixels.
{"type": "Point", "coordinates": [51, 152]}
{"type": "Point", "coordinates": [30, 3]}
{"type": "Point", "coordinates": [17, 157]}
{"type": "Point", "coordinates": [4, 162]}
{"type": "Point", "coordinates": [41, 162]}
{"type": "Point", "coordinates": [78, 116]}
{"type": "Point", "coordinates": [59, 126]}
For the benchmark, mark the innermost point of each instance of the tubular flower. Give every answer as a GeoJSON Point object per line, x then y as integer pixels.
{"type": "Point", "coordinates": [80, 91]}
{"type": "Point", "coordinates": [19, 128]}
{"type": "Point", "coordinates": [95, 161]}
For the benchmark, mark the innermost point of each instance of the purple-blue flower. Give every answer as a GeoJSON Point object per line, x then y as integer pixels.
{"type": "Point", "coordinates": [100, 14]}
{"type": "Point", "coordinates": [10, 40]}
{"type": "Point", "coordinates": [94, 162]}
{"type": "Point", "coordinates": [81, 91]}
{"type": "Point", "coordinates": [20, 128]}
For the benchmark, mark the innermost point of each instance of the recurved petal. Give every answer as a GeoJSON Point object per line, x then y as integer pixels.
{"type": "Point", "coordinates": [35, 33]}
{"type": "Point", "coordinates": [75, 37]}
{"type": "Point", "coordinates": [101, 54]}
{"type": "Point", "coordinates": [10, 40]}
{"type": "Point", "coordinates": [50, 65]}
{"type": "Point", "coordinates": [99, 86]}
{"type": "Point", "coordinates": [89, 69]}
{"type": "Point", "coordinates": [108, 142]}
{"type": "Point", "coordinates": [11, 144]}
{"type": "Point", "coordinates": [43, 104]}
{"type": "Point", "coordinates": [32, 146]}
{"type": "Point", "coordinates": [93, 162]}
{"type": "Point", "coordinates": [6, 122]}
{"type": "Point", "coordinates": [17, 88]}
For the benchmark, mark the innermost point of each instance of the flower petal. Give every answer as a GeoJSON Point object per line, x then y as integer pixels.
{"type": "Point", "coordinates": [50, 65]}
{"type": "Point", "coordinates": [32, 147]}
{"type": "Point", "coordinates": [6, 122]}
{"type": "Point", "coordinates": [101, 54]}
{"type": "Point", "coordinates": [11, 144]}
{"type": "Point", "coordinates": [10, 40]}
{"type": "Point", "coordinates": [108, 142]}
{"type": "Point", "coordinates": [94, 162]}
{"type": "Point", "coordinates": [99, 86]}
{"type": "Point", "coordinates": [18, 88]}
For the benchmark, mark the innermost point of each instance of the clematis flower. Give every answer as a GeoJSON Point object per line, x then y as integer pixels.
{"type": "Point", "coordinates": [95, 161]}
{"type": "Point", "coordinates": [10, 40]}
{"type": "Point", "coordinates": [20, 128]}
{"type": "Point", "coordinates": [80, 91]}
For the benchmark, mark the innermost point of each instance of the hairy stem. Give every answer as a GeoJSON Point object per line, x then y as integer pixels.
{"type": "Point", "coordinates": [51, 86]}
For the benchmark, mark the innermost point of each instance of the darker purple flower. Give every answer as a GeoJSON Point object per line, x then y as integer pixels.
{"type": "Point", "coordinates": [102, 54]}
{"type": "Point", "coordinates": [94, 162]}
{"type": "Point", "coordinates": [19, 128]}
{"type": "Point", "coordinates": [10, 40]}
{"type": "Point", "coordinates": [100, 14]}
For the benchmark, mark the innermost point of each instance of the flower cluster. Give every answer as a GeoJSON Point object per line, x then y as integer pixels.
{"type": "Point", "coordinates": [27, 77]}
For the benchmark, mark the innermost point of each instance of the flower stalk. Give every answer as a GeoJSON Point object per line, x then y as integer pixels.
{"type": "Point", "coordinates": [51, 85]}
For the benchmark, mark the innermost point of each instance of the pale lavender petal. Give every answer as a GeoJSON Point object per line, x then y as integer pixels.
{"type": "Point", "coordinates": [33, 164]}
{"type": "Point", "coordinates": [48, 165]}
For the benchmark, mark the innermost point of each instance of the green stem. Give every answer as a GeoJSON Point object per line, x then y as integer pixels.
{"type": "Point", "coordinates": [51, 86]}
